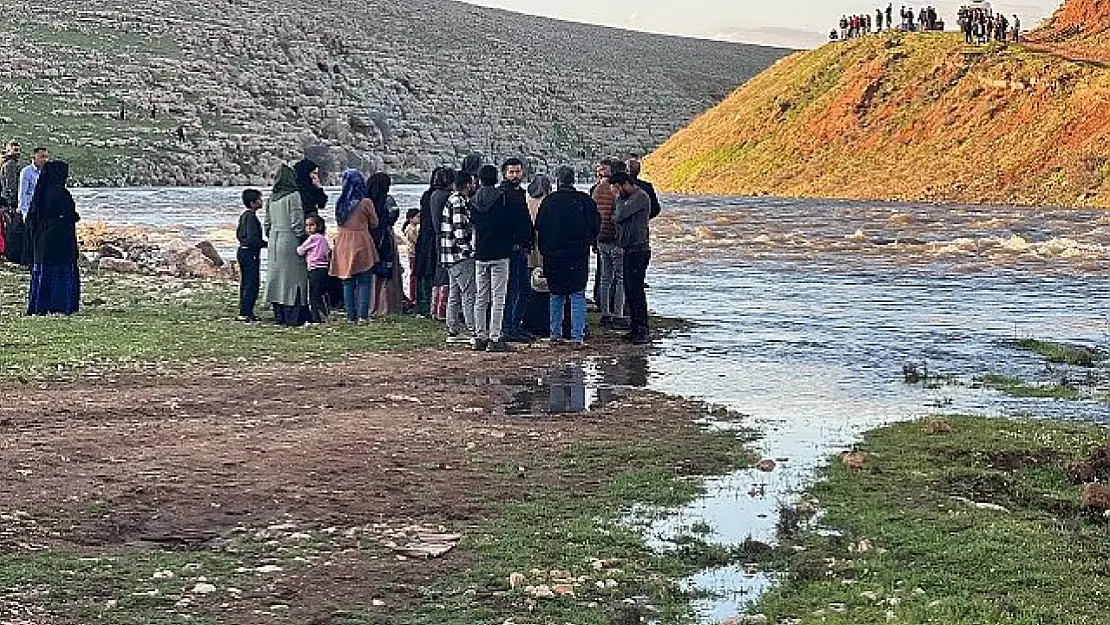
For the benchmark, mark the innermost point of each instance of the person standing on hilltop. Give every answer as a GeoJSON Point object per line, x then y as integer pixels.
{"type": "Point", "coordinates": [520, 283]}
{"type": "Point", "coordinates": [52, 223]}
{"type": "Point", "coordinates": [890, 16]}
{"type": "Point", "coordinates": [1016, 29]}
{"type": "Point", "coordinates": [633, 164]}
{"type": "Point", "coordinates": [878, 20]}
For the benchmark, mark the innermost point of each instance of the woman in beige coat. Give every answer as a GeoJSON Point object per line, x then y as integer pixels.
{"type": "Point", "coordinates": [354, 252]}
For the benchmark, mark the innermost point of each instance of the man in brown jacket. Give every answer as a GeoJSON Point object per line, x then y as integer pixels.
{"type": "Point", "coordinates": [610, 289]}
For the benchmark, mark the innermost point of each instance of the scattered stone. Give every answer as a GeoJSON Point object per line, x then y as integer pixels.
{"type": "Point", "coordinates": [937, 427]}
{"type": "Point", "coordinates": [1095, 497]}
{"type": "Point", "coordinates": [746, 619]}
{"type": "Point", "coordinates": [517, 580]}
{"type": "Point", "coordinates": [983, 506]}
{"type": "Point", "coordinates": [766, 465]}
{"type": "Point", "coordinates": [854, 460]}
{"type": "Point", "coordinates": [203, 588]}
{"type": "Point", "coordinates": [268, 568]}
{"type": "Point", "coordinates": [163, 575]}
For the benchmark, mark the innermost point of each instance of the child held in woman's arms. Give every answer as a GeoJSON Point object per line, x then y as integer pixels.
{"type": "Point", "coordinates": [316, 252]}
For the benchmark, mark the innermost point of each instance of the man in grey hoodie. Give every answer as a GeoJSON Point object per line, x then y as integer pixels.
{"type": "Point", "coordinates": [630, 219]}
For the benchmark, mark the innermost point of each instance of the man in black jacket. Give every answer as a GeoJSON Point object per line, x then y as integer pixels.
{"type": "Point", "coordinates": [498, 228]}
{"type": "Point", "coordinates": [567, 225]}
{"type": "Point", "coordinates": [520, 284]}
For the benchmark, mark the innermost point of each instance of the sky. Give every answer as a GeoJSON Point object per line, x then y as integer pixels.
{"type": "Point", "coordinates": [789, 23]}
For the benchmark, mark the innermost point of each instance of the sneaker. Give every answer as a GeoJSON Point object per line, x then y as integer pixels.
{"type": "Point", "coordinates": [498, 346]}
{"type": "Point", "coordinates": [456, 339]}
{"type": "Point", "coordinates": [480, 345]}
{"type": "Point", "coordinates": [619, 323]}
{"type": "Point", "coordinates": [579, 345]}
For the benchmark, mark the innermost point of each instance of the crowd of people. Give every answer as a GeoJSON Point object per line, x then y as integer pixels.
{"type": "Point", "coordinates": [38, 224]}
{"type": "Point", "coordinates": [496, 259]}
{"type": "Point", "coordinates": [981, 26]}
{"type": "Point", "coordinates": [979, 23]}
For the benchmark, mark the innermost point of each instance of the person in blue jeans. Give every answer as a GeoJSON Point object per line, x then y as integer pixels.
{"type": "Point", "coordinates": [520, 282]}
{"type": "Point", "coordinates": [567, 226]}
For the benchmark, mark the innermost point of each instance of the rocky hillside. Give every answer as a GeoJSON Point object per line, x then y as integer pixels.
{"type": "Point", "coordinates": [913, 117]}
{"type": "Point", "coordinates": [402, 86]}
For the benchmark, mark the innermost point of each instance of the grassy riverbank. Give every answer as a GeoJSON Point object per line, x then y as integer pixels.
{"type": "Point", "coordinates": [154, 321]}
{"type": "Point", "coordinates": [167, 464]}
{"type": "Point", "coordinates": [980, 525]}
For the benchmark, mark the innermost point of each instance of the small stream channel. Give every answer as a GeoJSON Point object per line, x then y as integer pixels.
{"type": "Point", "coordinates": [804, 313]}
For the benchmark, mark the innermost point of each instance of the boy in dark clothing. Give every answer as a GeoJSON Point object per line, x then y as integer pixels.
{"type": "Point", "coordinates": [249, 254]}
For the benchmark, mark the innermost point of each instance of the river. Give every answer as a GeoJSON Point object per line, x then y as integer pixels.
{"type": "Point", "coordinates": [804, 313]}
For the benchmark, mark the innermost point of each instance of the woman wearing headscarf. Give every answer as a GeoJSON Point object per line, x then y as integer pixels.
{"type": "Point", "coordinates": [441, 283]}
{"type": "Point", "coordinates": [427, 248]}
{"type": "Point", "coordinates": [52, 227]}
{"type": "Point", "coordinates": [313, 198]}
{"type": "Point", "coordinates": [355, 254]}
{"type": "Point", "coordinates": [286, 271]}
{"type": "Point", "coordinates": [313, 202]}
{"type": "Point", "coordinates": [389, 296]}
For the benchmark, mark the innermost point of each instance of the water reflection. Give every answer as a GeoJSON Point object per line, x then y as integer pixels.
{"type": "Point", "coordinates": [574, 387]}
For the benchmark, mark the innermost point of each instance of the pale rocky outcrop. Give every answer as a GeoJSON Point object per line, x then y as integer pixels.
{"type": "Point", "coordinates": [219, 93]}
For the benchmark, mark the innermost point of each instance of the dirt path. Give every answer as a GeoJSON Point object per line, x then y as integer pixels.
{"type": "Point", "coordinates": [392, 441]}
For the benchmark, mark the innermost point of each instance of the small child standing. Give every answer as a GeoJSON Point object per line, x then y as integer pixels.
{"type": "Point", "coordinates": [249, 255]}
{"type": "Point", "coordinates": [411, 230]}
{"type": "Point", "coordinates": [316, 252]}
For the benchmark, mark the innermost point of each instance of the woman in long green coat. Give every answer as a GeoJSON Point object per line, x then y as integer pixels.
{"type": "Point", "coordinates": [286, 273]}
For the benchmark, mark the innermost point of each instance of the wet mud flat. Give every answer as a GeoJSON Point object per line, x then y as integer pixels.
{"type": "Point", "coordinates": [411, 487]}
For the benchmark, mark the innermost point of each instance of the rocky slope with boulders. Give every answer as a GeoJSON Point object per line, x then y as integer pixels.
{"type": "Point", "coordinates": [220, 92]}
{"type": "Point", "coordinates": [905, 116]}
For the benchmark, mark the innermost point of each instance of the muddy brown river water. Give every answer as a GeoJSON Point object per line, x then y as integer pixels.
{"type": "Point", "coordinates": [804, 313]}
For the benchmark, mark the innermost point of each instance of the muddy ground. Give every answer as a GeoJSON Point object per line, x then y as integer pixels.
{"type": "Point", "coordinates": [123, 462]}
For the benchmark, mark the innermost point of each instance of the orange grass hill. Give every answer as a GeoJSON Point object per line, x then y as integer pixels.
{"type": "Point", "coordinates": [905, 116]}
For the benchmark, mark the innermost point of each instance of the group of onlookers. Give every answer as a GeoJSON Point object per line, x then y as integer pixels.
{"type": "Point", "coordinates": [308, 274]}
{"type": "Point", "coordinates": [496, 260]}
{"type": "Point", "coordinates": [38, 224]}
{"type": "Point", "coordinates": [981, 26]}
{"type": "Point", "coordinates": [852, 26]}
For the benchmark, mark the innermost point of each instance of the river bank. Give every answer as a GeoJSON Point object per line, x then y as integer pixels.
{"type": "Point", "coordinates": [965, 520]}
{"type": "Point", "coordinates": [165, 463]}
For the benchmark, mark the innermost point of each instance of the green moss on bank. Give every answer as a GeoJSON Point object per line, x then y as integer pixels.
{"type": "Point", "coordinates": [910, 545]}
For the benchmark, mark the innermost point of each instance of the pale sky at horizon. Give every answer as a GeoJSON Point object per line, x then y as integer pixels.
{"type": "Point", "coordinates": [792, 23]}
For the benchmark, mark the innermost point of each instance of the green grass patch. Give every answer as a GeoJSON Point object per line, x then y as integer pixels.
{"type": "Point", "coordinates": [153, 322]}
{"type": "Point", "coordinates": [909, 544]}
{"type": "Point", "coordinates": [1062, 353]}
{"type": "Point", "coordinates": [584, 541]}
{"type": "Point", "coordinates": [1016, 387]}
